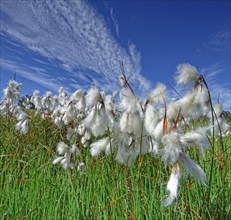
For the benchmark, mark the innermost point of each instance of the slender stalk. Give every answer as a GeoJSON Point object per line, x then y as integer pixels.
{"type": "Point", "coordinates": [213, 140]}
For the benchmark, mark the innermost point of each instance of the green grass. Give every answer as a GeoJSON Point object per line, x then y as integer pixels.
{"type": "Point", "coordinates": [32, 188]}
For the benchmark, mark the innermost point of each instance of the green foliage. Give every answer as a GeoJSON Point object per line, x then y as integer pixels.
{"type": "Point", "coordinates": [32, 188]}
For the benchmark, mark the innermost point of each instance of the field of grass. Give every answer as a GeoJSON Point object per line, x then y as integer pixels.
{"type": "Point", "coordinates": [32, 188]}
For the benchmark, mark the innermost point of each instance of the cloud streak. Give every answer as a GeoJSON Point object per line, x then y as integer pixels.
{"type": "Point", "coordinates": [219, 41]}
{"type": "Point", "coordinates": [217, 48]}
{"type": "Point", "coordinates": [34, 74]}
{"type": "Point", "coordinates": [74, 34]}
{"type": "Point", "coordinates": [115, 22]}
{"type": "Point", "coordinates": [221, 90]}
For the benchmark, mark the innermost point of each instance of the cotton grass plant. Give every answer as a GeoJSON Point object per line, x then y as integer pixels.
{"type": "Point", "coordinates": [125, 127]}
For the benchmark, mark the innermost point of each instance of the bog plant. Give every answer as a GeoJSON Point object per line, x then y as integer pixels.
{"type": "Point", "coordinates": [124, 126]}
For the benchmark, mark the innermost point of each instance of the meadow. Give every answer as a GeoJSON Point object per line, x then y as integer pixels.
{"type": "Point", "coordinates": [88, 155]}
{"type": "Point", "coordinates": [32, 188]}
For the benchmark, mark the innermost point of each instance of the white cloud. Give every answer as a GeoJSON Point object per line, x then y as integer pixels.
{"type": "Point", "coordinates": [218, 73]}
{"type": "Point", "coordinates": [32, 73]}
{"type": "Point", "coordinates": [73, 33]}
{"type": "Point", "coordinates": [217, 89]}
{"type": "Point", "coordinates": [115, 22]}
{"type": "Point", "coordinates": [220, 40]}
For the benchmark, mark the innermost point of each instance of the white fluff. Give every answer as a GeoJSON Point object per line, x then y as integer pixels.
{"type": "Point", "coordinates": [99, 146]}
{"type": "Point", "coordinates": [197, 137]}
{"type": "Point", "coordinates": [129, 101]}
{"type": "Point", "coordinates": [101, 122]}
{"type": "Point", "coordinates": [131, 123]}
{"type": "Point", "coordinates": [154, 147]}
{"type": "Point", "coordinates": [62, 97]}
{"type": "Point", "coordinates": [70, 133]}
{"type": "Point", "coordinates": [93, 96]}
{"type": "Point", "coordinates": [81, 166]}
{"type": "Point", "coordinates": [67, 152]}
{"type": "Point", "coordinates": [218, 110]}
{"type": "Point", "coordinates": [77, 95]}
{"type": "Point", "coordinates": [66, 161]}
{"type": "Point", "coordinates": [20, 115]}
{"type": "Point", "coordinates": [127, 155]}
{"type": "Point", "coordinates": [135, 124]}
{"type": "Point", "coordinates": [57, 160]}
{"type": "Point", "coordinates": [171, 147]}
{"type": "Point", "coordinates": [172, 186]}
{"type": "Point", "coordinates": [22, 126]}
{"type": "Point", "coordinates": [173, 109]}
{"type": "Point", "coordinates": [62, 148]}
{"type": "Point", "coordinates": [225, 128]}
{"type": "Point", "coordinates": [109, 147]}
{"type": "Point", "coordinates": [69, 115]}
{"type": "Point", "coordinates": [192, 168]}
{"type": "Point", "coordinates": [201, 95]}
{"type": "Point", "coordinates": [158, 131]}
{"type": "Point", "coordinates": [186, 104]}
{"type": "Point", "coordinates": [186, 73]}
{"type": "Point", "coordinates": [158, 94]}
{"type": "Point", "coordinates": [81, 104]}
{"type": "Point", "coordinates": [12, 91]}
{"type": "Point", "coordinates": [90, 119]}
{"type": "Point", "coordinates": [150, 119]}
{"type": "Point", "coordinates": [124, 122]}
{"type": "Point", "coordinates": [36, 100]}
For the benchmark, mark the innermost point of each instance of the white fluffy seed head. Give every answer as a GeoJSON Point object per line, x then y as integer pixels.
{"type": "Point", "coordinates": [93, 96]}
{"type": "Point", "coordinates": [151, 119]}
{"type": "Point", "coordinates": [127, 155]}
{"type": "Point", "coordinates": [158, 94]}
{"type": "Point", "coordinates": [192, 168]}
{"type": "Point", "coordinates": [48, 94]}
{"type": "Point", "coordinates": [218, 109]}
{"type": "Point", "coordinates": [77, 95]}
{"type": "Point", "coordinates": [172, 186]}
{"type": "Point", "coordinates": [12, 91]}
{"type": "Point", "coordinates": [62, 148]}
{"type": "Point", "coordinates": [99, 146]}
{"type": "Point", "coordinates": [173, 109]}
{"type": "Point", "coordinates": [101, 122]}
{"type": "Point", "coordinates": [70, 132]}
{"type": "Point", "coordinates": [90, 119]}
{"type": "Point", "coordinates": [131, 123]}
{"type": "Point", "coordinates": [22, 126]}
{"type": "Point", "coordinates": [158, 130]}
{"type": "Point", "coordinates": [57, 160]}
{"type": "Point", "coordinates": [198, 137]}
{"type": "Point", "coordinates": [20, 114]}
{"type": "Point", "coordinates": [186, 104]}
{"type": "Point", "coordinates": [129, 101]}
{"type": "Point", "coordinates": [171, 147]}
{"type": "Point", "coordinates": [186, 73]}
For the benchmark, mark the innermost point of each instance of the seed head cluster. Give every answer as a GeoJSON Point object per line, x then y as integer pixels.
{"type": "Point", "coordinates": [125, 126]}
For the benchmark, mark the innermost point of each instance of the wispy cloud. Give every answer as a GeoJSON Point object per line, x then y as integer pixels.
{"type": "Point", "coordinates": [217, 74]}
{"type": "Point", "coordinates": [220, 40]}
{"type": "Point", "coordinates": [115, 22]}
{"type": "Point", "coordinates": [218, 90]}
{"type": "Point", "coordinates": [32, 73]}
{"type": "Point", "coordinates": [74, 34]}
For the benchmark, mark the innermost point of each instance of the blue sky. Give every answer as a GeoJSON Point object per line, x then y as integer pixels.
{"type": "Point", "coordinates": [49, 44]}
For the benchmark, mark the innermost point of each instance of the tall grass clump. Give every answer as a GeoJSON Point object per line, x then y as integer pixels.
{"type": "Point", "coordinates": [117, 153]}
